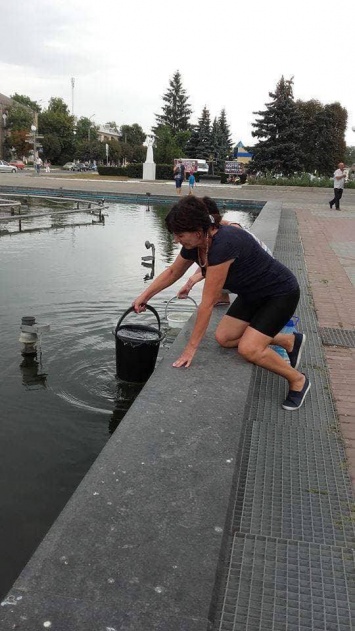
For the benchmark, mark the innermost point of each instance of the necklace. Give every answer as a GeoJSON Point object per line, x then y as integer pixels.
{"type": "Point", "coordinates": [206, 255]}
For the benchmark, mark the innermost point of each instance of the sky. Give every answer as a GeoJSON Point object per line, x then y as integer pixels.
{"type": "Point", "coordinates": [230, 54]}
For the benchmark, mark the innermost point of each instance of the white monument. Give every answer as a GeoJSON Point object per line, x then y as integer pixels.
{"type": "Point", "coordinates": [149, 165]}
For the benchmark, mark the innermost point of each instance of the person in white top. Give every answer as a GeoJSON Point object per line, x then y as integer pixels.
{"type": "Point", "coordinates": [339, 182]}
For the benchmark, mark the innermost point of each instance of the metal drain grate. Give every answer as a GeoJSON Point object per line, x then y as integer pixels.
{"type": "Point", "coordinates": [278, 584]}
{"type": "Point", "coordinates": [295, 487]}
{"type": "Point", "coordinates": [337, 337]}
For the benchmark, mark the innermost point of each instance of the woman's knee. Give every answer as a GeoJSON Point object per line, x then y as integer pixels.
{"type": "Point", "coordinates": [248, 351]}
{"type": "Point", "coordinates": [222, 337]}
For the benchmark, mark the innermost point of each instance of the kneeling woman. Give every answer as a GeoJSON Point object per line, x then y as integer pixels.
{"type": "Point", "coordinates": [268, 293]}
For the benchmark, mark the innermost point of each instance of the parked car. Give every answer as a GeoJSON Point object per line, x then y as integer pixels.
{"type": "Point", "coordinates": [69, 166]}
{"type": "Point", "coordinates": [5, 167]}
{"type": "Point", "coordinates": [80, 166]}
{"type": "Point", "coordinates": [18, 163]}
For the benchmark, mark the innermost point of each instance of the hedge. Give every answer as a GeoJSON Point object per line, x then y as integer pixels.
{"type": "Point", "coordinates": [163, 171]}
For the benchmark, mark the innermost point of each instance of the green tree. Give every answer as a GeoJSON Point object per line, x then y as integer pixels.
{"type": "Point", "coordinates": [204, 145]}
{"type": "Point", "coordinates": [57, 121]}
{"type": "Point", "coordinates": [58, 106]}
{"type": "Point", "coordinates": [19, 121]}
{"type": "Point", "coordinates": [278, 129]}
{"type": "Point", "coordinates": [192, 143]}
{"type": "Point", "coordinates": [311, 112]}
{"type": "Point", "coordinates": [349, 156]}
{"type": "Point", "coordinates": [19, 118]}
{"type": "Point", "coordinates": [322, 136]}
{"type": "Point", "coordinates": [25, 100]}
{"type": "Point", "coordinates": [132, 134]}
{"type": "Point", "coordinates": [52, 147]}
{"type": "Point", "coordinates": [139, 153]}
{"type": "Point", "coordinates": [18, 141]}
{"type": "Point", "coordinates": [85, 130]}
{"type": "Point", "coordinates": [176, 111]}
{"type": "Point", "coordinates": [330, 147]}
{"type": "Point", "coordinates": [167, 147]}
{"type": "Point", "coordinates": [225, 142]}
{"type": "Point", "coordinates": [86, 150]}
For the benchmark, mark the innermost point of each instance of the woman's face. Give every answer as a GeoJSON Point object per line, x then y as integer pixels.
{"type": "Point", "coordinates": [190, 240]}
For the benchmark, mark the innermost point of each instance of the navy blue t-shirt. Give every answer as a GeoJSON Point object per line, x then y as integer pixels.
{"type": "Point", "coordinates": [253, 274]}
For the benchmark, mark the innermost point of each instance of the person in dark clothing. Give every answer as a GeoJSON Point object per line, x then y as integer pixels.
{"type": "Point", "coordinates": [179, 176]}
{"type": "Point", "coordinates": [268, 293]}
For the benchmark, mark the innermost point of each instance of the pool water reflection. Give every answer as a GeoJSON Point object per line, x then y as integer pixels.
{"type": "Point", "coordinates": [59, 409]}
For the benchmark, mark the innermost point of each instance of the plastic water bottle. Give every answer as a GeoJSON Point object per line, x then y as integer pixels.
{"type": "Point", "coordinates": [290, 327]}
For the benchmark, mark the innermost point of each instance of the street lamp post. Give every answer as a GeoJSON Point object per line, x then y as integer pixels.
{"type": "Point", "coordinates": [89, 130]}
{"type": "Point", "coordinates": [33, 130]}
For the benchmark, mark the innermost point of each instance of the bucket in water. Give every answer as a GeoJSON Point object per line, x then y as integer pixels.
{"type": "Point", "coordinates": [177, 319]}
{"type": "Point", "coordinates": [137, 347]}
{"type": "Point", "coordinates": [290, 327]}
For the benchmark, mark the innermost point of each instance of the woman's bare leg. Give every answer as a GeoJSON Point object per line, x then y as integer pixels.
{"type": "Point", "coordinates": [254, 347]}
{"type": "Point", "coordinates": [229, 331]}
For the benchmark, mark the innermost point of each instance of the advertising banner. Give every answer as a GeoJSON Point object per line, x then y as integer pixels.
{"type": "Point", "coordinates": [232, 167]}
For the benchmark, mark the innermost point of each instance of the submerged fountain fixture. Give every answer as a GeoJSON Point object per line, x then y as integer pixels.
{"type": "Point", "coordinates": [149, 257]}
{"type": "Point", "coordinates": [148, 195]}
{"type": "Point", "coordinates": [30, 335]}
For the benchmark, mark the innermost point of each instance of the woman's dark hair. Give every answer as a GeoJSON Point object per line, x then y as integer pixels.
{"type": "Point", "coordinates": [191, 214]}
{"type": "Point", "coordinates": [212, 208]}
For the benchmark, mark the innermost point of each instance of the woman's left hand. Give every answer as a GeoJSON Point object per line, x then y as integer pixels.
{"type": "Point", "coordinates": [186, 358]}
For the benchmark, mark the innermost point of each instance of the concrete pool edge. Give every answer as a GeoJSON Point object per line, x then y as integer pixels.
{"type": "Point", "coordinates": [139, 543]}
{"type": "Point", "coordinates": [109, 196]}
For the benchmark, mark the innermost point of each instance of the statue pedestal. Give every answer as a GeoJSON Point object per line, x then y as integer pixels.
{"type": "Point", "coordinates": [149, 169]}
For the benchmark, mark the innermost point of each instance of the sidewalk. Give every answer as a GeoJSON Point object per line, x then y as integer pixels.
{"type": "Point", "coordinates": [328, 239]}
{"type": "Point", "coordinates": [292, 534]}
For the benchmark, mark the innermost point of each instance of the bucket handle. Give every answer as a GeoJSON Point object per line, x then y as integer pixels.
{"type": "Point", "coordinates": [132, 309]}
{"type": "Point", "coordinates": [176, 298]}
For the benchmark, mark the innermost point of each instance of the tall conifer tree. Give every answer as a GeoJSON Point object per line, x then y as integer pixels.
{"type": "Point", "coordinates": [176, 110]}
{"type": "Point", "coordinates": [278, 129]}
{"type": "Point", "coordinates": [204, 145]}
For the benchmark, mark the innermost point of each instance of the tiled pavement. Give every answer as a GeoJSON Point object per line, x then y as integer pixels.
{"type": "Point", "coordinates": [328, 239]}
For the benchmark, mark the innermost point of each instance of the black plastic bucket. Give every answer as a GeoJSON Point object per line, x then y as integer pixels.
{"type": "Point", "coordinates": [137, 347]}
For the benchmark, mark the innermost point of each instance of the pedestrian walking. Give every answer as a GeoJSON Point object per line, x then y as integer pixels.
{"type": "Point", "coordinates": [38, 165]}
{"type": "Point", "coordinates": [192, 183]}
{"type": "Point", "coordinates": [339, 183]}
{"type": "Point", "coordinates": [179, 174]}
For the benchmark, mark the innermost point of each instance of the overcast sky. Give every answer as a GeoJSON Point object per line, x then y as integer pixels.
{"type": "Point", "coordinates": [230, 55]}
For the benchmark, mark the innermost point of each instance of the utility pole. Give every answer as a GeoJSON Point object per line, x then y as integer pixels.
{"type": "Point", "coordinates": [72, 95]}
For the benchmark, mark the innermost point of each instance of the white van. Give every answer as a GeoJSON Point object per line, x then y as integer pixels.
{"type": "Point", "coordinates": [202, 166]}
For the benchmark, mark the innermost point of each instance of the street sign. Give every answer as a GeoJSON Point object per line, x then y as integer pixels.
{"type": "Point", "coordinates": [233, 167]}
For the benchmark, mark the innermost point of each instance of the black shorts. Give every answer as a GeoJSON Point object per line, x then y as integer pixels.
{"type": "Point", "coordinates": [268, 315]}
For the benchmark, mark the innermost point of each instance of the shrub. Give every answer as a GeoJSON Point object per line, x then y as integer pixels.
{"type": "Point", "coordinates": [224, 178]}
{"type": "Point", "coordinates": [164, 172]}
{"type": "Point", "coordinates": [135, 170]}
{"type": "Point", "coordinates": [112, 170]}
{"type": "Point", "coordinates": [206, 176]}
{"type": "Point", "coordinates": [296, 180]}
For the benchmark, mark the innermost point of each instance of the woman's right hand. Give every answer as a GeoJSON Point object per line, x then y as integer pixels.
{"type": "Point", "coordinates": [139, 305]}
